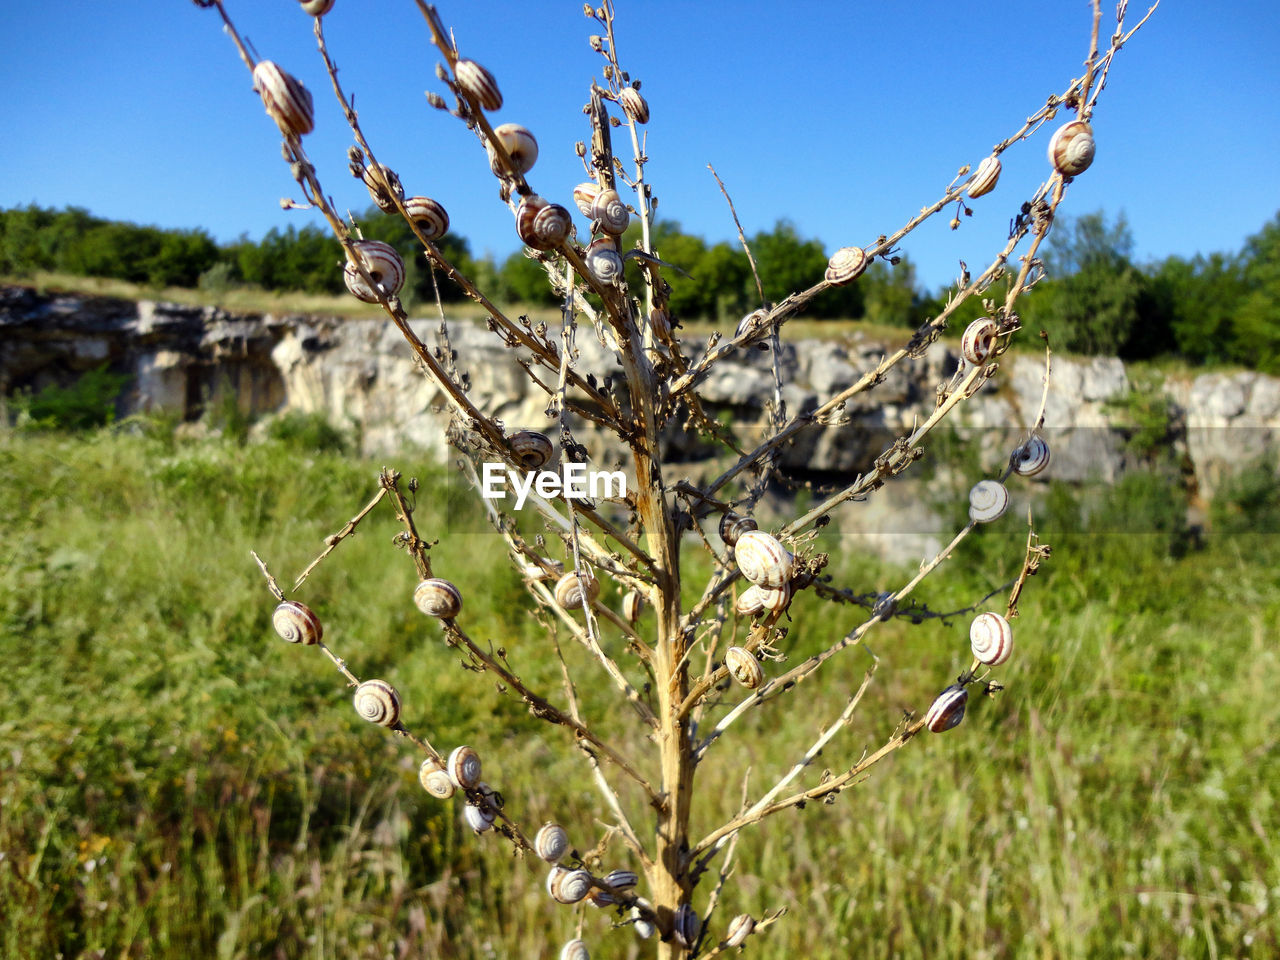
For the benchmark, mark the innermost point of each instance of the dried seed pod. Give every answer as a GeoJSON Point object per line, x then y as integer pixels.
{"type": "Point", "coordinates": [568, 886]}
{"type": "Point", "coordinates": [634, 105]}
{"type": "Point", "coordinates": [611, 212]}
{"type": "Point", "coordinates": [429, 216]}
{"type": "Point", "coordinates": [464, 768]}
{"type": "Point", "coordinates": [532, 450]}
{"type": "Point", "coordinates": [575, 950]}
{"type": "Point", "coordinates": [1071, 148]}
{"type": "Point", "coordinates": [947, 710]}
{"type": "Point", "coordinates": [744, 667]}
{"type": "Point", "coordinates": [287, 101]}
{"type": "Point", "coordinates": [296, 623]}
{"type": "Point", "coordinates": [546, 570]}
{"type": "Point", "coordinates": [437, 598]}
{"type": "Point", "coordinates": [551, 842]}
{"type": "Point", "coordinates": [740, 928]}
{"type": "Point", "coordinates": [686, 925]}
{"type": "Point", "coordinates": [660, 321]}
{"type": "Point", "coordinates": [542, 225]}
{"type": "Point", "coordinates": [620, 879]}
{"type": "Point", "coordinates": [378, 180]}
{"type": "Point", "coordinates": [603, 261]}
{"type": "Point", "coordinates": [979, 340]}
{"type": "Point", "coordinates": [991, 638]}
{"type": "Point", "coordinates": [317, 8]}
{"type": "Point", "coordinates": [584, 195]}
{"type": "Point", "coordinates": [846, 265]}
{"type": "Point", "coordinates": [632, 606]}
{"type": "Point", "coordinates": [1032, 457]}
{"type": "Point", "coordinates": [984, 178]}
{"type": "Point", "coordinates": [435, 779]}
{"type": "Point", "coordinates": [574, 592]}
{"type": "Point", "coordinates": [479, 817]}
{"type": "Point", "coordinates": [479, 84]}
{"type": "Point", "coordinates": [383, 265]}
{"type": "Point", "coordinates": [520, 145]}
{"type": "Point", "coordinates": [732, 526]}
{"type": "Point", "coordinates": [378, 702]}
{"type": "Point", "coordinates": [763, 560]}
{"type": "Point", "coordinates": [988, 500]}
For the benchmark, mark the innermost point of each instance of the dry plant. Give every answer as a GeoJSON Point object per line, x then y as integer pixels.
{"type": "Point", "coordinates": [687, 674]}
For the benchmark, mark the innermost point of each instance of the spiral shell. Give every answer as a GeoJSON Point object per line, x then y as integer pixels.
{"type": "Point", "coordinates": [991, 638]}
{"type": "Point", "coordinates": [620, 879]}
{"type": "Point", "coordinates": [429, 216]}
{"type": "Point", "coordinates": [687, 925]}
{"type": "Point", "coordinates": [574, 592]}
{"type": "Point", "coordinates": [846, 265]}
{"type": "Point", "coordinates": [763, 560]}
{"type": "Point", "coordinates": [1031, 458]}
{"type": "Point", "coordinates": [435, 779]}
{"type": "Point", "coordinates": [611, 212]}
{"type": "Point", "coordinates": [378, 177]}
{"type": "Point", "coordinates": [988, 500]}
{"type": "Point", "coordinates": [479, 84]}
{"type": "Point", "coordinates": [603, 261]}
{"type": "Point", "coordinates": [757, 599]}
{"type": "Point", "coordinates": [317, 8]}
{"type": "Point", "coordinates": [520, 145]}
{"type": "Point", "coordinates": [947, 710]}
{"type": "Point", "coordinates": [551, 842]}
{"type": "Point", "coordinates": [287, 101]}
{"type": "Point", "coordinates": [744, 667]}
{"type": "Point", "coordinates": [542, 225]}
{"type": "Point", "coordinates": [979, 339]}
{"type": "Point", "coordinates": [1071, 148]}
{"type": "Point", "coordinates": [732, 526]}
{"type": "Point", "coordinates": [575, 950]}
{"type": "Point", "coordinates": [378, 702]}
{"type": "Point", "coordinates": [632, 606]}
{"type": "Point", "coordinates": [601, 899]}
{"type": "Point", "coordinates": [634, 105]}
{"type": "Point", "coordinates": [296, 623]}
{"type": "Point", "coordinates": [740, 928]}
{"type": "Point", "coordinates": [437, 598]}
{"type": "Point", "coordinates": [568, 886]}
{"type": "Point", "coordinates": [644, 928]}
{"type": "Point", "coordinates": [463, 766]}
{"type": "Point", "coordinates": [984, 178]}
{"type": "Point", "coordinates": [532, 450]}
{"type": "Point", "coordinates": [383, 265]}
{"type": "Point", "coordinates": [479, 817]}
{"type": "Point", "coordinates": [584, 196]}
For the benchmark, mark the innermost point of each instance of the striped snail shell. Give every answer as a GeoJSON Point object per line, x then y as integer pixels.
{"type": "Point", "coordinates": [429, 216]}
{"type": "Point", "coordinates": [984, 178]}
{"type": "Point", "coordinates": [532, 450]}
{"type": "Point", "coordinates": [733, 525]}
{"type": "Point", "coordinates": [988, 500]}
{"type": "Point", "coordinates": [634, 105]}
{"type": "Point", "coordinates": [383, 265]}
{"type": "Point", "coordinates": [296, 623]}
{"type": "Point", "coordinates": [463, 766]}
{"type": "Point", "coordinates": [740, 928]}
{"type": "Point", "coordinates": [435, 779]}
{"type": "Point", "coordinates": [479, 84]}
{"type": "Point", "coordinates": [574, 592]}
{"type": "Point", "coordinates": [979, 339]}
{"type": "Point", "coordinates": [762, 559]}
{"type": "Point", "coordinates": [603, 261]}
{"type": "Point", "coordinates": [551, 842]}
{"type": "Point", "coordinates": [686, 925]}
{"type": "Point", "coordinates": [375, 175]}
{"type": "Point", "coordinates": [846, 265]}
{"type": "Point", "coordinates": [611, 212]}
{"type": "Point", "coordinates": [644, 928]}
{"type": "Point", "coordinates": [620, 879]}
{"type": "Point", "coordinates": [601, 899]}
{"type": "Point", "coordinates": [378, 702]}
{"type": "Point", "coordinates": [947, 710]}
{"type": "Point", "coordinates": [750, 322]}
{"type": "Point", "coordinates": [1071, 148]}
{"type": "Point", "coordinates": [991, 638]}
{"type": "Point", "coordinates": [575, 950]}
{"type": "Point", "coordinates": [1031, 458]}
{"type": "Point", "coordinates": [479, 817]}
{"type": "Point", "coordinates": [632, 606]}
{"type": "Point", "coordinates": [520, 145]}
{"type": "Point", "coordinates": [584, 195]}
{"type": "Point", "coordinates": [317, 8]}
{"type": "Point", "coordinates": [287, 101]}
{"type": "Point", "coordinates": [568, 886]}
{"type": "Point", "coordinates": [437, 598]}
{"type": "Point", "coordinates": [744, 667]}
{"type": "Point", "coordinates": [542, 225]}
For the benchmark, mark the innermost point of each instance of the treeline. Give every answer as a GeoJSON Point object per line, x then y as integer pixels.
{"type": "Point", "coordinates": [1224, 307]}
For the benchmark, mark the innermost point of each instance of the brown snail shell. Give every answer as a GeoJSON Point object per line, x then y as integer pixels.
{"type": "Point", "coordinates": [287, 101]}
{"type": "Point", "coordinates": [551, 842]}
{"type": "Point", "coordinates": [632, 606]}
{"type": "Point", "coordinates": [984, 178]}
{"type": "Point", "coordinates": [1071, 148]}
{"type": "Point", "coordinates": [991, 638]}
{"type": "Point", "coordinates": [435, 779]}
{"type": "Point", "coordinates": [520, 145]}
{"type": "Point", "coordinates": [744, 667]}
{"type": "Point", "coordinates": [947, 709]}
{"type": "Point", "coordinates": [568, 886]}
{"type": "Point", "coordinates": [603, 261]}
{"type": "Point", "coordinates": [634, 105]}
{"type": "Point", "coordinates": [429, 216]}
{"type": "Point", "coordinates": [1032, 457]}
{"type": "Point", "coordinates": [296, 623]}
{"type": "Point", "coordinates": [378, 177]}
{"type": "Point", "coordinates": [733, 525]}
{"type": "Point", "coordinates": [479, 84]}
{"type": "Point", "coordinates": [532, 450]}
{"type": "Point", "coordinates": [584, 196]}
{"type": "Point", "coordinates": [612, 214]}
{"type": "Point", "coordinates": [317, 8]}
{"type": "Point", "coordinates": [383, 265]}
{"type": "Point", "coordinates": [740, 928]}
{"type": "Point", "coordinates": [988, 500]}
{"type": "Point", "coordinates": [542, 225]}
{"type": "Point", "coordinates": [437, 598]}
{"type": "Point", "coordinates": [378, 702]}
{"type": "Point", "coordinates": [574, 592]}
{"type": "Point", "coordinates": [763, 560]}
{"type": "Point", "coordinates": [846, 265]}
{"type": "Point", "coordinates": [463, 766]}
{"type": "Point", "coordinates": [979, 340]}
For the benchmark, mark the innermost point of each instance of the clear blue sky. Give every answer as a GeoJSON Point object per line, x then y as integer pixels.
{"type": "Point", "coordinates": [843, 117]}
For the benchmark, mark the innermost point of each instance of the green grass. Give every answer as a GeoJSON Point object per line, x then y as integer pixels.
{"type": "Point", "coordinates": [176, 782]}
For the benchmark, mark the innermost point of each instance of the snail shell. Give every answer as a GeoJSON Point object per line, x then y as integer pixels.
{"type": "Point", "coordinates": [430, 216]}
{"type": "Point", "coordinates": [984, 178]}
{"type": "Point", "coordinates": [383, 265]}
{"type": "Point", "coordinates": [296, 623]}
{"type": "Point", "coordinates": [744, 667]}
{"type": "Point", "coordinates": [979, 339]}
{"type": "Point", "coordinates": [378, 702]}
{"type": "Point", "coordinates": [846, 265]}
{"type": "Point", "coordinates": [611, 212]}
{"type": "Point", "coordinates": [644, 928]}
{"type": "Point", "coordinates": [479, 84]}
{"type": "Point", "coordinates": [1071, 148]}
{"type": "Point", "coordinates": [732, 526]}
{"type": "Point", "coordinates": [632, 606]}
{"type": "Point", "coordinates": [542, 225]}
{"type": "Point", "coordinates": [740, 928]}
{"type": "Point", "coordinates": [532, 450]}
{"type": "Point", "coordinates": [568, 886]}
{"type": "Point", "coordinates": [601, 899]}
{"type": "Point", "coordinates": [575, 950]}
{"type": "Point", "coordinates": [584, 195]}
{"type": "Point", "coordinates": [520, 145]}
{"type": "Point", "coordinates": [988, 500]}
{"type": "Point", "coordinates": [374, 177]}
{"type": "Point", "coordinates": [552, 842]}
{"type": "Point", "coordinates": [991, 638]}
{"type": "Point", "coordinates": [1032, 457]}
{"type": "Point", "coordinates": [574, 592]}
{"type": "Point", "coordinates": [947, 710]}
{"type": "Point", "coordinates": [762, 559]}
{"type": "Point", "coordinates": [621, 879]}
{"type": "Point", "coordinates": [687, 925]}
{"type": "Point", "coordinates": [757, 599]}
{"type": "Point", "coordinates": [464, 768]}
{"type": "Point", "coordinates": [479, 817]}
{"type": "Point", "coordinates": [603, 261]}
{"type": "Point", "coordinates": [437, 598]}
{"type": "Point", "coordinates": [435, 779]}
{"type": "Point", "coordinates": [634, 105]}
{"type": "Point", "coordinates": [287, 101]}
{"type": "Point", "coordinates": [317, 8]}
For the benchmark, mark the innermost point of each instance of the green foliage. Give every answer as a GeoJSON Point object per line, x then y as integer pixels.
{"type": "Point", "coordinates": [1249, 500]}
{"type": "Point", "coordinates": [308, 433]}
{"type": "Point", "coordinates": [523, 280]}
{"type": "Point", "coordinates": [87, 403]}
{"type": "Point", "coordinates": [891, 296]}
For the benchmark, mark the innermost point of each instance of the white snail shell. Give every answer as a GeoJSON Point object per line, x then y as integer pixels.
{"type": "Point", "coordinates": [1032, 457]}
{"type": "Point", "coordinates": [1071, 148]}
{"type": "Point", "coordinates": [437, 598]}
{"type": "Point", "coordinates": [479, 817]}
{"type": "Point", "coordinates": [750, 601]}
{"type": "Point", "coordinates": [435, 779]}
{"type": "Point", "coordinates": [634, 105]}
{"type": "Point", "coordinates": [763, 560]}
{"type": "Point", "coordinates": [479, 84]}
{"type": "Point", "coordinates": [988, 500]}
{"type": "Point", "coordinates": [687, 925]}
{"type": "Point", "coordinates": [378, 702]}
{"type": "Point", "coordinates": [376, 188]}
{"type": "Point", "coordinates": [568, 886]}
{"type": "Point", "coordinates": [584, 195]}
{"type": "Point", "coordinates": [601, 899]}
{"type": "Point", "coordinates": [317, 8]}
{"type": "Point", "coordinates": [632, 606]}
{"type": "Point", "coordinates": [531, 449]}
{"type": "Point", "coordinates": [644, 928]}
{"type": "Point", "coordinates": [575, 950]}
{"type": "Point", "coordinates": [979, 339]}
{"type": "Point", "coordinates": [732, 526]}
{"type": "Point", "coordinates": [574, 592]}
{"type": "Point", "coordinates": [749, 322]}
{"type": "Point", "coordinates": [520, 145]}
{"type": "Point", "coordinates": [612, 213]}
{"type": "Point", "coordinates": [846, 265]}
{"type": "Point", "coordinates": [740, 928]}
{"type": "Point", "coordinates": [984, 178]}
{"type": "Point", "coordinates": [551, 842]}
{"type": "Point", "coordinates": [287, 101]}
{"type": "Point", "coordinates": [463, 766]}
{"type": "Point", "coordinates": [383, 265]}
{"type": "Point", "coordinates": [430, 216]}
{"type": "Point", "coordinates": [603, 261]}
{"type": "Point", "coordinates": [542, 225]}
{"type": "Point", "coordinates": [296, 623]}
{"type": "Point", "coordinates": [744, 667]}
{"type": "Point", "coordinates": [947, 710]}
{"type": "Point", "coordinates": [991, 638]}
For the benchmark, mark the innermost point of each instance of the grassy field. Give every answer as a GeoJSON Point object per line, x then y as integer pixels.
{"type": "Point", "coordinates": [177, 782]}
